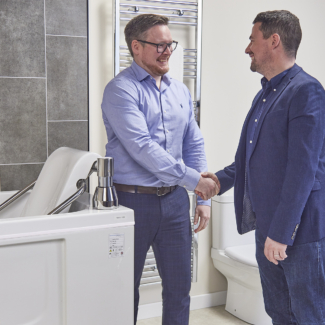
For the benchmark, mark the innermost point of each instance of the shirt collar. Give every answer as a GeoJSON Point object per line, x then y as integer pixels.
{"type": "Point", "coordinates": [275, 80]}
{"type": "Point", "coordinates": [142, 74]}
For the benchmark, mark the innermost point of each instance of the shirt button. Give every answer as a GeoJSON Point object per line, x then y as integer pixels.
{"type": "Point", "coordinates": [274, 89]}
{"type": "Point", "coordinates": [165, 111]}
{"type": "Point", "coordinates": [256, 120]}
{"type": "Point", "coordinates": [167, 150]}
{"type": "Point", "coordinates": [167, 131]}
{"type": "Point", "coordinates": [251, 141]}
{"type": "Point", "coordinates": [264, 100]}
{"type": "Point", "coordinates": [184, 185]}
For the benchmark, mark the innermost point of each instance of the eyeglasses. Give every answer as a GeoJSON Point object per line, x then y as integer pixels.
{"type": "Point", "coordinates": [161, 48]}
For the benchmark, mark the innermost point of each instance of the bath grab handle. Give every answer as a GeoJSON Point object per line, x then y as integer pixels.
{"type": "Point", "coordinates": [16, 196]}
{"type": "Point", "coordinates": [82, 186]}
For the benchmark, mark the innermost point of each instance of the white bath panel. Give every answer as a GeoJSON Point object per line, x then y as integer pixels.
{"type": "Point", "coordinates": [31, 283]}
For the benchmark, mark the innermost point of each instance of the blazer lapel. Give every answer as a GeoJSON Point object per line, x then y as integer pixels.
{"type": "Point", "coordinates": [283, 85]}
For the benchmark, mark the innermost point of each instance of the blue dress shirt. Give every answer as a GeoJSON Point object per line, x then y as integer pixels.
{"type": "Point", "coordinates": [269, 90]}
{"type": "Point", "coordinates": [152, 134]}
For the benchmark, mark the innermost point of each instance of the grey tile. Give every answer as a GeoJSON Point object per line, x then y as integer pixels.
{"type": "Point", "coordinates": [16, 177]}
{"type": "Point", "coordinates": [22, 38]}
{"type": "Point", "coordinates": [22, 120]}
{"type": "Point", "coordinates": [68, 134]}
{"type": "Point", "coordinates": [67, 79]}
{"type": "Point", "coordinates": [66, 17]}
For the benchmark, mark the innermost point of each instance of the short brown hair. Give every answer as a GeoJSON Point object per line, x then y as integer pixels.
{"type": "Point", "coordinates": [138, 26]}
{"type": "Point", "coordinates": [285, 24]}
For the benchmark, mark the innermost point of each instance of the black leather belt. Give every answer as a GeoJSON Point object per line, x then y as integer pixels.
{"type": "Point", "coordinates": [160, 191]}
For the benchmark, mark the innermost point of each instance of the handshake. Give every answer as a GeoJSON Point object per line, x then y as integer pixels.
{"type": "Point", "coordinates": [208, 186]}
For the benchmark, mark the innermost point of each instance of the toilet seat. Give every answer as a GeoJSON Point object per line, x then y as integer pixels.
{"type": "Point", "coordinates": [244, 254]}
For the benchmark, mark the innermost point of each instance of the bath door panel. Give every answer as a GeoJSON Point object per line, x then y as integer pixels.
{"type": "Point", "coordinates": [31, 283]}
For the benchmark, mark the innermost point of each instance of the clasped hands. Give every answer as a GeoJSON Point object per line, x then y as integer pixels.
{"type": "Point", "coordinates": [208, 186]}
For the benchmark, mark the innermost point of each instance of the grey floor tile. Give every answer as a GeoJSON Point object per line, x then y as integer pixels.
{"type": "Point", "coordinates": [206, 316]}
{"type": "Point", "coordinates": [16, 177]}
{"type": "Point", "coordinates": [67, 78]}
{"type": "Point", "coordinates": [22, 120]}
{"type": "Point", "coordinates": [22, 38]}
{"type": "Point", "coordinates": [66, 17]}
{"type": "Point", "coordinates": [68, 134]}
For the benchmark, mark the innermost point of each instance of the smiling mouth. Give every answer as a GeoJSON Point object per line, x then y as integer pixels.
{"type": "Point", "coordinates": [163, 60]}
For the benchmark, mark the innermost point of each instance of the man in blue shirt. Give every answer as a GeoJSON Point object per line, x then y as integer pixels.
{"type": "Point", "coordinates": [279, 174]}
{"type": "Point", "coordinates": [159, 154]}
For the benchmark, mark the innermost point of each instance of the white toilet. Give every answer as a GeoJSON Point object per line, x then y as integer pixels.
{"type": "Point", "coordinates": [234, 256]}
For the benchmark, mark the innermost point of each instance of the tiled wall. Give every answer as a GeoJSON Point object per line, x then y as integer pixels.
{"type": "Point", "coordinates": [43, 84]}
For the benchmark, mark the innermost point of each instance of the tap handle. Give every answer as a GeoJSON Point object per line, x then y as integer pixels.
{"type": "Point", "coordinates": [105, 171]}
{"type": "Point", "coordinates": [105, 167]}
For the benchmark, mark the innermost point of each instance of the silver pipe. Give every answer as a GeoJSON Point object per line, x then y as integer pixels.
{"type": "Point", "coordinates": [116, 28]}
{"type": "Point", "coordinates": [81, 185]}
{"type": "Point", "coordinates": [124, 47]}
{"type": "Point", "coordinates": [189, 76]}
{"type": "Point", "coordinates": [169, 1]}
{"type": "Point", "coordinates": [16, 196]}
{"type": "Point", "coordinates": [150, 279]}
{"type": "Point", "coordinates": [170, 22]}
{"type": "Point", "coordinates": [150, 267]}
{"type": "Point", "coordinates": [199, 60]}
{"type": "Point", "coordinates": [150, 261]}
{"type": "Point", "coordinates": [157, 13]}
{"type": "Point", "coordinates": [192, 70]}
{"type": "Point", "coordinates": [128, 55]}
{"type": "Point", "coordinates": [150, 283]}
{"type": "Point", "coordinates": [154, 7]}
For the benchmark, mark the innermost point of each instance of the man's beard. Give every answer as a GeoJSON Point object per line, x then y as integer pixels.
{"type": "Point", "coordinates": [253, 66]}
{"type": "Point", "coordinates": [156, 70]}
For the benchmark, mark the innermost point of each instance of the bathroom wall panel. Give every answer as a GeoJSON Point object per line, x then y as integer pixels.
{"type": "Point", "coordinates": [22, 120]}
{"type": "Point", "coordinates": [67, 79]}
{"type": "Point", "coordinates": [66, 17]}
{"type": "Point", "coordinates": [22, 39]}
{"type": "Point", "coordinates": [16, 177]}
{"type": "Point", "coordinates": [68, 134]}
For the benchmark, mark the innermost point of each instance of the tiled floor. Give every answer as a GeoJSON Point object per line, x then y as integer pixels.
{"type": "Point", "coordinates": [206, 316]}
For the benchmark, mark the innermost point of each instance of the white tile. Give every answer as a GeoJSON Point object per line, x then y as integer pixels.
{"type": "Point", "coordinates": [206, 316]}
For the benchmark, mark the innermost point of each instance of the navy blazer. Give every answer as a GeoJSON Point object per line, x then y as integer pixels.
{"type": "Point", "coordinates": [287, 166]}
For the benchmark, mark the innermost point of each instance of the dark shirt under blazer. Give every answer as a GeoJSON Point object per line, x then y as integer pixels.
{"type": "Point", "coordinates": [286, 165]}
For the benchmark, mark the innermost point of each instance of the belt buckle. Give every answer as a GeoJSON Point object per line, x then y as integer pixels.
{"type": "Point", "coordinates": [158, 192]}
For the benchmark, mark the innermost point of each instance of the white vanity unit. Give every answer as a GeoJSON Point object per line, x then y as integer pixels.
{"type": "Point", "coordinates": [66, 269]}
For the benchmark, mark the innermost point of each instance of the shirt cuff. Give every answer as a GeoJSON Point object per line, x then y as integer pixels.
{"type": "Point", "coordinates": [190, 179]}
{"type": "Point", "coordinates": [200, 201]}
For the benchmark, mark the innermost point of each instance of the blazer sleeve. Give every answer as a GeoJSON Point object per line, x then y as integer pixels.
{"type": "Point", "coordinates": [226, 178]}
{"type": "Point", "coordinates": [305, 142]}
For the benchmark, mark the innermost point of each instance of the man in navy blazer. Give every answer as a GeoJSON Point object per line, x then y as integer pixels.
{"type": "Point", "coordinates": [279, 174]}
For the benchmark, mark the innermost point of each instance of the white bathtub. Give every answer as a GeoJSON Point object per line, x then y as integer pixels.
{"type": "Point", "coordinates": [58, 269]}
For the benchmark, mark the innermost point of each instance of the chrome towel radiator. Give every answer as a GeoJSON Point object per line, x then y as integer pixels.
{"type": "Point", "coordinates": [180, 13]}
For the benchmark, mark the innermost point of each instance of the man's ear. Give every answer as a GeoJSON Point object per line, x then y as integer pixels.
{"type": "Point", "coordinates": [135, 45]}
{"type": "Point", "coordinates": [275, 40]}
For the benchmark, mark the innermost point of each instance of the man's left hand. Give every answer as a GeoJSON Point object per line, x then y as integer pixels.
{"type": "Point", "coordinates": [274, 251]}
{"type": "Point", "coordinates": [202, 212]}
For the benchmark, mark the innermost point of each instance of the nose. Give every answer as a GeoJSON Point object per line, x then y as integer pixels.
{"type": "Point", "coordinates": [248, 49]}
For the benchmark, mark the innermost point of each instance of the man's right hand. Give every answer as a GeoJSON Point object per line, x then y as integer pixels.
{"type": "Point", "coordinates": [206, 188]}
{"type": "Point", "coordinates": [213, 177]}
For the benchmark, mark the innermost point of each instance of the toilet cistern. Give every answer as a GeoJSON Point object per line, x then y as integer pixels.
{"type": "Point", "coordinates": [105, 196]}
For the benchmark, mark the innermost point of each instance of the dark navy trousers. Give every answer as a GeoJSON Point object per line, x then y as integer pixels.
{"type": "Point", "coordinates": [163, 222]}
{"type": "Point", "coordinates": [294, 290]}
